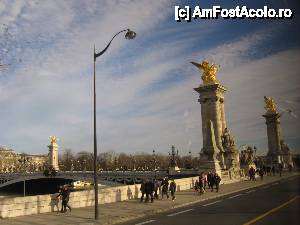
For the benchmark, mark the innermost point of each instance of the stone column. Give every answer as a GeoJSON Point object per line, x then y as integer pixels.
{"type": "Point", "coordinates": [211, 100]}
{"type": "Point", "coordinates": [274, 136]}
{"type": "Point", "coordinates": [53, 155]}
{"type": "Point", "coordinates": [223, 118]}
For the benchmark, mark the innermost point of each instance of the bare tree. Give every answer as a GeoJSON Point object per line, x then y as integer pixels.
{"type": "Point", "coordinates": [67, 159]}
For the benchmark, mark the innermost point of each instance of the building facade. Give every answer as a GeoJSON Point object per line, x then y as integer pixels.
{"type": "Point", "coordinates": [12, 162]}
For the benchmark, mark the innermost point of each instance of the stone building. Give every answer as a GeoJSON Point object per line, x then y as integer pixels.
{"type": "Point", "coordinates": [10, 161]}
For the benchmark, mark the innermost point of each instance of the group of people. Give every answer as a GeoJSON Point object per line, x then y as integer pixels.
{"type": "Point", "coordinates": [152, 188]}
{"type": "Point", "coordinates": [64, 194]}
{"type": "Point", "coordinates": [210, 179]}
{"type": "Point", "coordinates": [271, 170]}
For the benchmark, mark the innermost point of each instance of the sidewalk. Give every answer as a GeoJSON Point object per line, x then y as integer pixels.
{"type": "Point", "coordinates": [114, 213]}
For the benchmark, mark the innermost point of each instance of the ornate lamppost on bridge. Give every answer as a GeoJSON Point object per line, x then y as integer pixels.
{"type": "Point", "coordinates": [190, 159]}
{"type": "Point", "coordinates": [23, 160]}
{"type": "Point", "coordinates": [129, 35]}
{"type": "Point", "coordinates": [72, 165]}
{"type": "Point", "coordinates": [173, 154]}
{"type": "Point", "coordinates": [154, 159]}
{"type": "Point", "coordinates": [133, 163]}
{"type": "Point", "coordinates": [154, 163]}
{"type": "Point", "coordinates": [84, 165]}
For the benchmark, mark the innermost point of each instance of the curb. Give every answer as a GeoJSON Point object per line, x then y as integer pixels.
{"type": "Point", "coordinates": [153, 212]}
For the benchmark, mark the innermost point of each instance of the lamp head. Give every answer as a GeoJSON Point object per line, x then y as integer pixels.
{"type": "Point", "coordinates": [130, 34]}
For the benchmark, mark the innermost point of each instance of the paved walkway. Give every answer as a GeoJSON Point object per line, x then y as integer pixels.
{"type": "Point", "coordinates": [114, 213]}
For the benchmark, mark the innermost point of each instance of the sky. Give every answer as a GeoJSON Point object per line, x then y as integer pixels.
{"type": "Point", "coordinates": [145, 96]}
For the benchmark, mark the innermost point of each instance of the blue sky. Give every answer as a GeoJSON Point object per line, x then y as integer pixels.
{"type": "Point", "coordinates": [145, 86]}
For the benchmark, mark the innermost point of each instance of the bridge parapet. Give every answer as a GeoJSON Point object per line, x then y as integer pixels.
{"type": "Point", "coordinates": [19, 206]}
{"type": "Point", "coordinates": [105, 177]}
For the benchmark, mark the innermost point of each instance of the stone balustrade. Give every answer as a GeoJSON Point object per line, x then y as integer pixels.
{"type": "Point", "coordinates": [19, 206]}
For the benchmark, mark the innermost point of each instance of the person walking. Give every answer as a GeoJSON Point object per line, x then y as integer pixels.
{"type": "Point", "coordinates": [165, 187]}
{"type": "Point", "coordinates": [149, 188]}
{"type": "Point", "coordinates": [65, 193]}
{"type": "Point", "coordinates": [172, 189]}
{"type": "Point", "coordinates": [209, 177]}
{"type": "Point", "coordinates": [217, 180]}
{"type": "Point", "coordinates": [204, 181]}
{"type": "Point", "coordinates": [252, 173]}
{"type": "Point", "coordinates": [261, 173]}
{"type": "Point", "coordinates": [280, 168]}
{"type": "Point", "coordinates": [212, 182]}
{"type": "Point", "coordinates": [157, 186]}
{"type": "Point", "coordinates": [290, 168]}
{"type": "Point", "coordinates": [201, 184]}
{"type": "Point", "coordinates": [273, 170]}
{"type": "Point", "coordinates": [196, 187]}
{"type": "Point", "coordinates": [142, 189]}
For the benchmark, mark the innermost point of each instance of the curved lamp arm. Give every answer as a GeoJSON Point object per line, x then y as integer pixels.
{"type": "Point", "coordinates": [129, 35]}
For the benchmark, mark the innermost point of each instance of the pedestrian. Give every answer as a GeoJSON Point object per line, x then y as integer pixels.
{"type": "Point", "coordinates": [165, 187]}
{"type": "Point", "coordinates": [157, 185]}
{"type": "Point", "coordinates": [280, 167]}
{"type": "Point", "coordinates": [273, 170]}
{"type": "Point", "coordinates": [160, 186]}
{"type": "Point", "coordinates": [290, 168]}
{"type": "Point", "coordinates": [217, 180]}
{"type": "Point", "coordinates": [65, 193]}
{"type": "Point", "coordinates": [212, 182]}
{"type": "Point", "coordinates": [201, 184]}
{"type": "Point", "coordinates": [149, 189]}
{"type": "Point", "coordinates": [196, 187]}
{"type": "Point", "coordinates": [205, 181]}
{"type": "Point", "coordinates": [268, 172]}
{"type": "Point", "coordinates": [252, 173]}
{"type": "Point", "coordinates": [142, 189]}
{"type": "Point", "coordinates": [261, 173]}
{"type": "Point", "coordinates": [172, 189]}
{"type": "Point", "coordinates": [209, 177]}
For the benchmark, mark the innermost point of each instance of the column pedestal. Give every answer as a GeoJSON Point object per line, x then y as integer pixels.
{"type": "Point", "coordinates": [209, 153]}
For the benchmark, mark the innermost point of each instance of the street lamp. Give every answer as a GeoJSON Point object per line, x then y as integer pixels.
{"type": "Point", "coordinates": [72, 166]}
{"type": "Point", "coordinates": [154, 160]}
{"type": "Point", "coordinates": [129, 35]}
{"type": "Point", "coordinates": [23, 160]}
{"type": "Point", "coordinates": [154, 163]}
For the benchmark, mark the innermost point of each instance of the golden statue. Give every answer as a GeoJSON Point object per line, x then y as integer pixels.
{"type": "Point", "coordinates": [270, 104]}
{"type": "Point", "coordinates": [209, 74]}
{"type": "Point", "coordinates": [53, 139]}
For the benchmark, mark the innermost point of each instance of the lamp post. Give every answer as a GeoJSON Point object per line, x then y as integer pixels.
{"type": "Point", "coordinates": [72, 166]}
{"type": "Point", "coordinates": [129, 35]}
{"type": "Point", "coordinates": [190, 159]}
{"type": "Point", "coordinates": [23, 160]}
{"type": "Point", "coordinates": [154, 163]}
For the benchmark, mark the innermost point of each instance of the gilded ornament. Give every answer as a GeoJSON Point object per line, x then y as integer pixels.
{"type": "Point", "coordinates": [209, 72]}
{"type": "Point", "coordinates": [53, 139]}
{"type": "Point", "coordinates": [270, 104]}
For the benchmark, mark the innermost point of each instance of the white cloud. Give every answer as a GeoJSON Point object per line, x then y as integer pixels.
{"type": "Point", "coordinates": [50, 93]}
